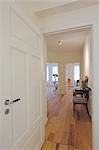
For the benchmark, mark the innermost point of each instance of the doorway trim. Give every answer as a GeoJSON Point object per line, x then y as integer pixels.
{"type": "Point", "coordinates": [93, 25]}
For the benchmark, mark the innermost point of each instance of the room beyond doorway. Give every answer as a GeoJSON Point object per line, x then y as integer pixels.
{"type": "Point", "coordinates": [74, 52]}
{"type": "Point", "coordinates": [52, 76]}
{"type": "Point", "coordinates": [72, 74]}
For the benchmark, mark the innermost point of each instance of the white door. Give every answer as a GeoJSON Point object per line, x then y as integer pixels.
{"type": "Point", "coordinates": [21, 76]}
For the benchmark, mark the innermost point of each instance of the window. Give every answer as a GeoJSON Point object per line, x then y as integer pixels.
{"type": "Point", "coordinates": [54, 71]}
{"type": "Point", "coordinates": [47, 74]}
{"type": "Point", "coordinates": [76, 72]}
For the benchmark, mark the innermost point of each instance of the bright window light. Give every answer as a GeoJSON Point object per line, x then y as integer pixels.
{"type": "Point", "coordinates": [54, 71]}
{"type": "Point", "coordinates": [76, 72]}
{"type": "Point", "coordinates": [47, 74]}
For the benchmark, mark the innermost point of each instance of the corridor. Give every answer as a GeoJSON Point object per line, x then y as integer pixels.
{"type": "Point", "coordinates": [63, 131]}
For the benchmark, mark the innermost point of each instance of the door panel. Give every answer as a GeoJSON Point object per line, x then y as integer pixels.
{"type": "Point", "coordinates": [35, 85]}
{"type": "Point", "coordinates": [19, 90]}
{"type": "Point", "coordinates": [34, 141]}
{"type": "Point", "coordinates": [22, 78]}
{"type": "Point", "coordinates": [21, 29]}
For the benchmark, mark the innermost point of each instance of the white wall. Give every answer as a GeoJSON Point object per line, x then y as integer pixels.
{"type": "Point", "coordinates": [87, 57]}
{"type": "Point", "coordinates": [95, 102]}
{"type": "Point", "coordinates": [70, 72]}
{"type": "Point", "coordinates": [62, 59]}
{"type": "Point", "coordinates": [87, 64]}
{"type": "Point", "coordinates": [67, 57]}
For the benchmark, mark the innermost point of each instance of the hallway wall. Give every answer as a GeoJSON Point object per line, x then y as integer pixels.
{"type": "Point", "coordinates": [95, 101]}
{"type": "Point", "coordinates": [87, 58]}
{"type": "Point", "coordinates": [62, 59]}
{"type": "Point", "coordinates": [87, 63]}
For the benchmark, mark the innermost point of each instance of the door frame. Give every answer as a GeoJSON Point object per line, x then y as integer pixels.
{"type": "Point", "coordinates": [93, 25]}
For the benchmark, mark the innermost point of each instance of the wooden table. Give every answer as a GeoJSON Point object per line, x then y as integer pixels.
{"type": "Point", "coordinates": [81, 96]}
{"type": "Point", "coordinates": [82, 92]}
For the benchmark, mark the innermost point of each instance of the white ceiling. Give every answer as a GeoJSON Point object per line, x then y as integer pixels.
{"type": "Point", "coordinates": [65, 7]}
{"type": "Point", "coordinates": [71, 41]}
{"type": "Point", "coordinates": [39, 5]}
{"type": "Point", "coordinates": [50, 7]}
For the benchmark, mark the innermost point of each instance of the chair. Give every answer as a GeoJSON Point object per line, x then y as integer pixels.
{"type": "Point", "coordinates": [81, 97]}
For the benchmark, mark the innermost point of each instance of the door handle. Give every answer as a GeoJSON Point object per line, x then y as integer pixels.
{"type": "Point", "coordinates": [8, 102]}
{"type": "Point", "coordinates": [16, 100]}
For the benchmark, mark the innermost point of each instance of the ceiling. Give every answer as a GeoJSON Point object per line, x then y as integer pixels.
{"type": "Point", "coordinates": [40, 5]}
{"type": "Point", "coordinates": [44, 8]}
{"type": "Point", "coordinates": [65, 7]}
{"type": "Point", "coordinates": [71, 40]}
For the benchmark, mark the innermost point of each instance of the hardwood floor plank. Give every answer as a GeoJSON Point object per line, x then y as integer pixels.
{"type": "Point", "coordinates": [71, 135]}
{"type": "Point", "coordinates": [63, 131]}
{"type": "Point", "coordinates": [51, 137]}
{"type": "Point", "coordinates": [57, 146]}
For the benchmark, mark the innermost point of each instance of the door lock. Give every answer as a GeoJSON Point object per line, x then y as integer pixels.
{"type": "Point", "coordinates": [7, 111]}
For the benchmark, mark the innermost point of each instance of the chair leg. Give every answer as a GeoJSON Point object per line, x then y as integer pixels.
{"type": "Point", "coordinates": [88, 111]}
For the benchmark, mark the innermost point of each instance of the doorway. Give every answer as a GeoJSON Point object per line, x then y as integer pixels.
{"type": "Point", "coordinates": [72, 74]}
{"type": "Point", "coordinates": [77, 72]}
{"type": "Point", "coordinates": [52, 77]}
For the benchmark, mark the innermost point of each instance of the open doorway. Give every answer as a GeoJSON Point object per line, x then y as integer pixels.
{"type": "Point", "coordinates": [74, 52]}
{"type": "Point", "coordinates": [72, 74]}
{"type": "Point", "coordinates": [52, 77]}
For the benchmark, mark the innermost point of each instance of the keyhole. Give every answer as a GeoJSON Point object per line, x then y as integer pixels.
{"type": "Point", "coordinates": [7, 111]}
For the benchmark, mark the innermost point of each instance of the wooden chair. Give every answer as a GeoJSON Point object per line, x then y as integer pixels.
{"type": "Point", "coordinates": [81, 97]}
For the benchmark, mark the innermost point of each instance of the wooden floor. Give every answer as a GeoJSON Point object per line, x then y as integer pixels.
{"type": "Point", "coordinates": [63, 131]}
